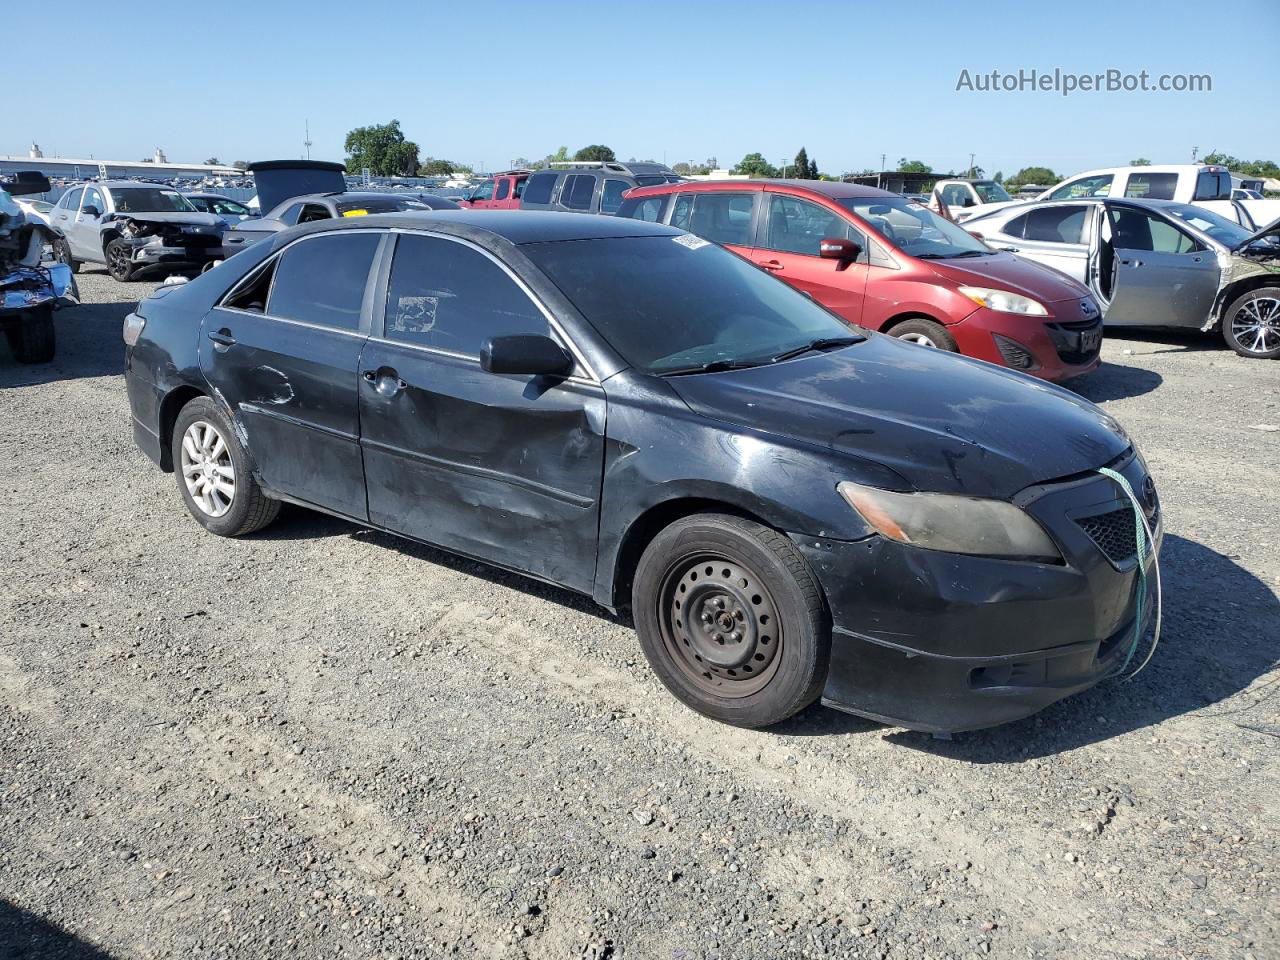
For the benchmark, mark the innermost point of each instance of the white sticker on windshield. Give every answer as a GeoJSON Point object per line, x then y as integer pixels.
{"type": "Point", "coordinates": [692, 242]}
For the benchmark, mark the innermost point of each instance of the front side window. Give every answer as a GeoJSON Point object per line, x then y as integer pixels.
{"type": "Point", "coordinates": [322, 279]}
{"type": "Point", "coordinates": [1151, 186]}
{"type": "Point", "coordinates": [913, 229]}
{"type": "Point", "coordinates": [1096, 186]}
{"type": "Point", "coordinates": [673, 304]}
{"type": "Point", "coordinates": [1135, 230]}
{"type": "Point", "coordinates": [611, 195]}
{"type": "Point", "coordinates": [577, 191]}
{"type": "Point", "coordinates": [539, 186]}
{"type": "Point", "coordinates": [504, 189]}
{"type": "Point", "coordinates": [798, 226]}
{"type": "Point", "coordinates": [203, 204]}
{"type": "Point", "coordinates": [483, 192]}
{"type": "Point", "coordinates": [93, 198]}
{"type": "Point", "coordinates": [1050, 225]}
{"type": "Point", "coordinates": [71, 200]}
{"type": "Point", "coordinates": [229, 208]}
{"type": "Point", "coordinates": [150, 200]}
{"type": "Point", "coordinates": [446, 295]}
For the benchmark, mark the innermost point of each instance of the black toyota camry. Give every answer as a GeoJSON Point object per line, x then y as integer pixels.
{"type": "Point", "coordinates": [791, 507]}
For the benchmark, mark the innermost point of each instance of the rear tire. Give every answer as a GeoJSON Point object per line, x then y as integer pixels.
{"type": "Point", "coordinates": [62, 253]}
{"type": "Point", "coordinates": [214, 474]}
{"type": "Point", "coordinates": [747, 643]}
{"type": "Point", "coordinates": [1251, 325]}
{"type": "Point", "coordinates": [31, 336]}
{"type": "Point", "coordinates": [927, 333]}
{"type": "Point", "coordinates": [119, 260]}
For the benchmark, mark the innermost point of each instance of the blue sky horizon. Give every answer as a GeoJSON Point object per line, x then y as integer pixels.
{"type": "Point", "coordinates": [484, 87]}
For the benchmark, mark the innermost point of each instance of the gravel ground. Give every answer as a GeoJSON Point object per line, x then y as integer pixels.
{"type": "Point", "coordinates": [321, 741]}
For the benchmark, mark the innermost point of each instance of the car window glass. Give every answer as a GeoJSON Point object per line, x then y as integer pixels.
{"type": "Point", "coordinates": [290, 216]}
{"type": "Point", "coordinates": [503, 189]}
{"type": "Point", "coordinates": [722, 217]}
{"type": "Point", "coordinates": [229, 207]}
{"type": "Point", "coordinates": [1151, 186]}
{"type": "Point", "coordinates": [954, 195]}
{"type": "Point", "coordinates": [312, 212]}
{"type": "Point", "coordinates": [1054, 225]}
{"type": "Point", "coordinates": [539, 186]}
{"type": "Point", "coordinates": [798, 226]}
{"type": "Point", "coordinates": [682, 211]}
{"type": "Point", "coordinates": [576, 193]}
{"type": "Point", "coordinates": [611, 195]}
{"type": "Point", "coordinates": [484, 191]}
{"type": "Point", "coordinates": [1135, 230]}
{"type": "Point", "coordinates": [201, 204]}
{"type": "Point", "coordinates": [93, 198]}
{"type": "Point", "coordinates": [1096, 186]}
{"type": "Point", "coordinates": [322, 279]}
{"type": "Point", "coordinates": [1213, 186]}
{"type": "Point", "coordinates": [643, 208]}
{"type": "Point", "coordinates": [72, 199]}
{"type": "Point", "coordinates": [444, 294]}
{"type": "Point", "coordinates": [520, 184]}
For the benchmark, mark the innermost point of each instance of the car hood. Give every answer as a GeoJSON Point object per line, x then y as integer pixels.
{"type": "Point", "coordinates": [945, 423]}
{"type": "Point", "coordinates": [1270, 230]}
{"type": "Point", "coordinates": [1009, 272]}
{"type": "Point", "coordinates": [176, 216]}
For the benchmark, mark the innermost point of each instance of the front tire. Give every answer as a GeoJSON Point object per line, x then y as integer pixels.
{"type": "Point", "coordinates": [214, 474]}
{"type": "Point", "coordinates": [31, 336]}
{"type": "Point", "coordinates": [732, 620]}
{"type": "Point", "coordinates": [120, 260]}
{"type": "Point", "coordinates": [1251, 325]}
{"type": "Point", "coordinates": [62, 253]}
{"type": "Point", "coordinates": [926, 333]}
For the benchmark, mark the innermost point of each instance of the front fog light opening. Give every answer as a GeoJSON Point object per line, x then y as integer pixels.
{"type": "Point", "coordinates": [1014, 354]}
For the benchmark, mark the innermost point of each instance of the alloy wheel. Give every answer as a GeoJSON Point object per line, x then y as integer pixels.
{"type": "Point", "coordinates": [920, 338]}
{"type": "Point", "coordinates": [118, 262]}
{"type": "Point", "coordinates": [207, 469]}
{"type": "Point", "coordinates": [1256, 325]}
{"type": "Point", "coordinates": [720, 625]}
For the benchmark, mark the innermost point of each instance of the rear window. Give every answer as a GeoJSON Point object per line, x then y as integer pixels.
{"type": "Point", "coordinates": [539, 186]}
{"type": "Point", "coordinates": [1213, 186]}
{"type": "Point", "coordinates": [653, 179]}
{"type": "Point", "coordinates": [359, 206]}
{"type": "Point", "coordinates": [643, 208]}
{"type": "Point", "coordinates": [322, 280]}
{"type": "Point", "coordinates": [1151, 186]}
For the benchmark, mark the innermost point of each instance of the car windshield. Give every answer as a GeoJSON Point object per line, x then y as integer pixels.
{"type": "Point", "coordinates": [1225, 231]}
{"type": "Point", "coordinates": [991, 192]}
{"type": "Point", "coordinates": [678, 304]}
{"type": "Point", "coordinates": [358, 206]}
{"type": "Point", "coordinates": [913, 229]}
{"type": "Point", "coordinates": [150, 200]}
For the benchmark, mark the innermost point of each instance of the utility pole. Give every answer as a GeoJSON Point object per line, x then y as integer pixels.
{"type": "Point", "coordinates": [882, 161]}
{"type": "Point", "coordinates": [1194, 151]}
{"type": "Point", "coordinates": [971, 166]}
{"type": "Point", "coordinates": [307, 142]}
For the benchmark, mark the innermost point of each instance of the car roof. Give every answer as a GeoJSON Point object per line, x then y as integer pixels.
{"type": "Point", "coordinates": [127, 184]}
{"type": "Point", "coordinates": [833, 189]}
{"type": "Point", "coordinates": [514, 226]}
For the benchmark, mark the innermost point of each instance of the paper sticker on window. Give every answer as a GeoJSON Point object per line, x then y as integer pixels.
{"type": "Point", "coordinates": [355, 213]}
{"type": "Point", "coordinates": [415, 314]}
{"type": "Point", "coordinates": [692, 242]}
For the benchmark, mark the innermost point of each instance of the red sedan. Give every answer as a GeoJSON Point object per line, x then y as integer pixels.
{"type": "Point", "coordinates": [887, 263]}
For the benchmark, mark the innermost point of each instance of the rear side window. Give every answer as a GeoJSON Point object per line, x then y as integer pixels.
{"type": "Point", "coordinates": [643, 208]}
{"type": "Point", "coordinates": [445, 295]}
{"type": "Point", "coordinates": [290, 216]}
{"type": "Point", "coordinates": [720, 217]}
{"type": "Point", "coordinates": [1050, 225]}
{"type": "Point", "coordinates": [577, 190]}
{"type": "Point", "coordinates": [1213, 186]}
{"type": "Point", "coordinates": [520, 187]}
{"type": "Point", "coordinates": [322, 280]}
{"type": "Point", "coordinates": [539, 186]}
{"type": "Point", "coordinates": [611, 195]}
{"type": "Point", "coordinates": [1151, 186]}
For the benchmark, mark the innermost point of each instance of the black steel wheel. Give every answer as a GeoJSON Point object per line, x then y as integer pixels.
{"type": "Point", "coordinates": [731, 619]}
{"type": "Point", "coordinates": [120, 260]}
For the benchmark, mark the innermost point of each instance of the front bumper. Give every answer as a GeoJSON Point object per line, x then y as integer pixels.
{"type": "Point", "coordinates": [1046, 347]}
{"type": "Point", "coordinates": [945, 642]}
{"type": "Point", "coordinates": [196, 254]}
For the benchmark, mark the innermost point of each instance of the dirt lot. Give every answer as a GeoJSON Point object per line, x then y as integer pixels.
{"type": "Point", "coordinates": [321, 741]}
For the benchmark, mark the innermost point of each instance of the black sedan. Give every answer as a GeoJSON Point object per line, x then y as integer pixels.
{"type": "Point", "coordinates": [790, 506]}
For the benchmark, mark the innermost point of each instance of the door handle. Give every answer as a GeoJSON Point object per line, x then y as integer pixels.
{"type": "Point", "coordinates": [772, 265]}
{"type": "Point", "coordinates": [1132, 263]}
{"type": "Point", "coordinates": [223, 338]}
{"type": "Point", "coordinates": [385, 380]}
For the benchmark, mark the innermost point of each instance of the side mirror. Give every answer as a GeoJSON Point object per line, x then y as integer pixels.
{"type": "Point", "coordinates": [91, 211]}
{"type": "Point", "coordinates": [529, 355]}
{"type": "Point", "coordinates": [839, 249]}
{"type": "Point", "coordinates": [968, 202]}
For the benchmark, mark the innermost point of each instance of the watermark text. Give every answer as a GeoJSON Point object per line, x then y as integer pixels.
{"type": "Point", "coordinates": [1066, 83]}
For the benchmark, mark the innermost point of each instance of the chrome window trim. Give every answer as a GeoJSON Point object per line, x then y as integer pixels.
{"type": "Point", "coordinates": [578, 356]}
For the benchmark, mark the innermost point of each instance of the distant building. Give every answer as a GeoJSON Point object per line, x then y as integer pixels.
{"type": "Point", "coordinates": [66, 168]}
{"type": "Point", "coordinates": [34, 153]}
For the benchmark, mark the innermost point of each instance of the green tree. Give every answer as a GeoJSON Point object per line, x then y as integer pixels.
{"type": "Point", "coordinates": [913, 166]}
{"type": "Point", "coordinates": [213, 162]}
{"type": "Point", "coordinates": [1222, 159]}
{"type": "Point", "coordinates": [755, 165]}
{"type": "Point", "coordinates": [241, 165]}
{"type": "Point", "coordinates": [801, 168]}
{"type": "Point", "coordinates": [436, 168]}
{"type": "Point", "coordinates": [596, 151]}
{"type": "Point", "coordinates": [1041, 176]}
{"type": "Point", "coordinates": [383, 149]}
{"type": "Point", "coordinates": [1140, 162]}
{"type": "Point", "coordinates": [999, 177]}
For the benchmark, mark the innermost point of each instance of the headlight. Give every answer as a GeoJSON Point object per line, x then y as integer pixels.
{"type": "Point", "coordinates": [1002, 301]}
{"type": "Point", "coordinates": [133, 325]}
{"type": "Point", "coordinates": [937, 521]}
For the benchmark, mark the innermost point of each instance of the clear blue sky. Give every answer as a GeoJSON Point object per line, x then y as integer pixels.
{"type": "Point", "coordinates": [486, 83]}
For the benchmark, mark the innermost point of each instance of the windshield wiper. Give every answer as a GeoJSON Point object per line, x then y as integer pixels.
{"type": "Point", "coordinates": [968, 253]}
{"type": "Point", "coordinates": [821, 343]}
{"type": "Point", "coordinates": [713, 366]}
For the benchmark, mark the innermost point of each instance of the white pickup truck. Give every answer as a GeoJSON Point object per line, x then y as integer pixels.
{"type": "Point", "coordinates": [1205, 185]}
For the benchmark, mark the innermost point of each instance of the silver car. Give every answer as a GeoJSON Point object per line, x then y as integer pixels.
{"type": "Point", "coordinates": [1155, 263]}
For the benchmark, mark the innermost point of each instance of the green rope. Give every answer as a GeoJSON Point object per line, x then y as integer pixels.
{"type": "Point", "coordinates": [1143, 537]}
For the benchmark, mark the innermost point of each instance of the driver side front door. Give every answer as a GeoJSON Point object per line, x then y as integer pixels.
{"type": "Point", "coordinates": [1160, 276]}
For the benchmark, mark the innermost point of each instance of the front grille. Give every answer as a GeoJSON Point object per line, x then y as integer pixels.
{"type": "Point", "coordinates": [1115, 532]}
{"type": "Point", "coordinates": [1014, 354]}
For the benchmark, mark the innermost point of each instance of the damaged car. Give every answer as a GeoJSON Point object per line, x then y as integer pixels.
{"type": "Point", "coordinates": [135, 229]}
{"type": "Point", "coordinates": [791, 507]}
{"type": "Point", "coordinates": [32, 285]}
{"type": "Point", "coordinates": [1155, 263]}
